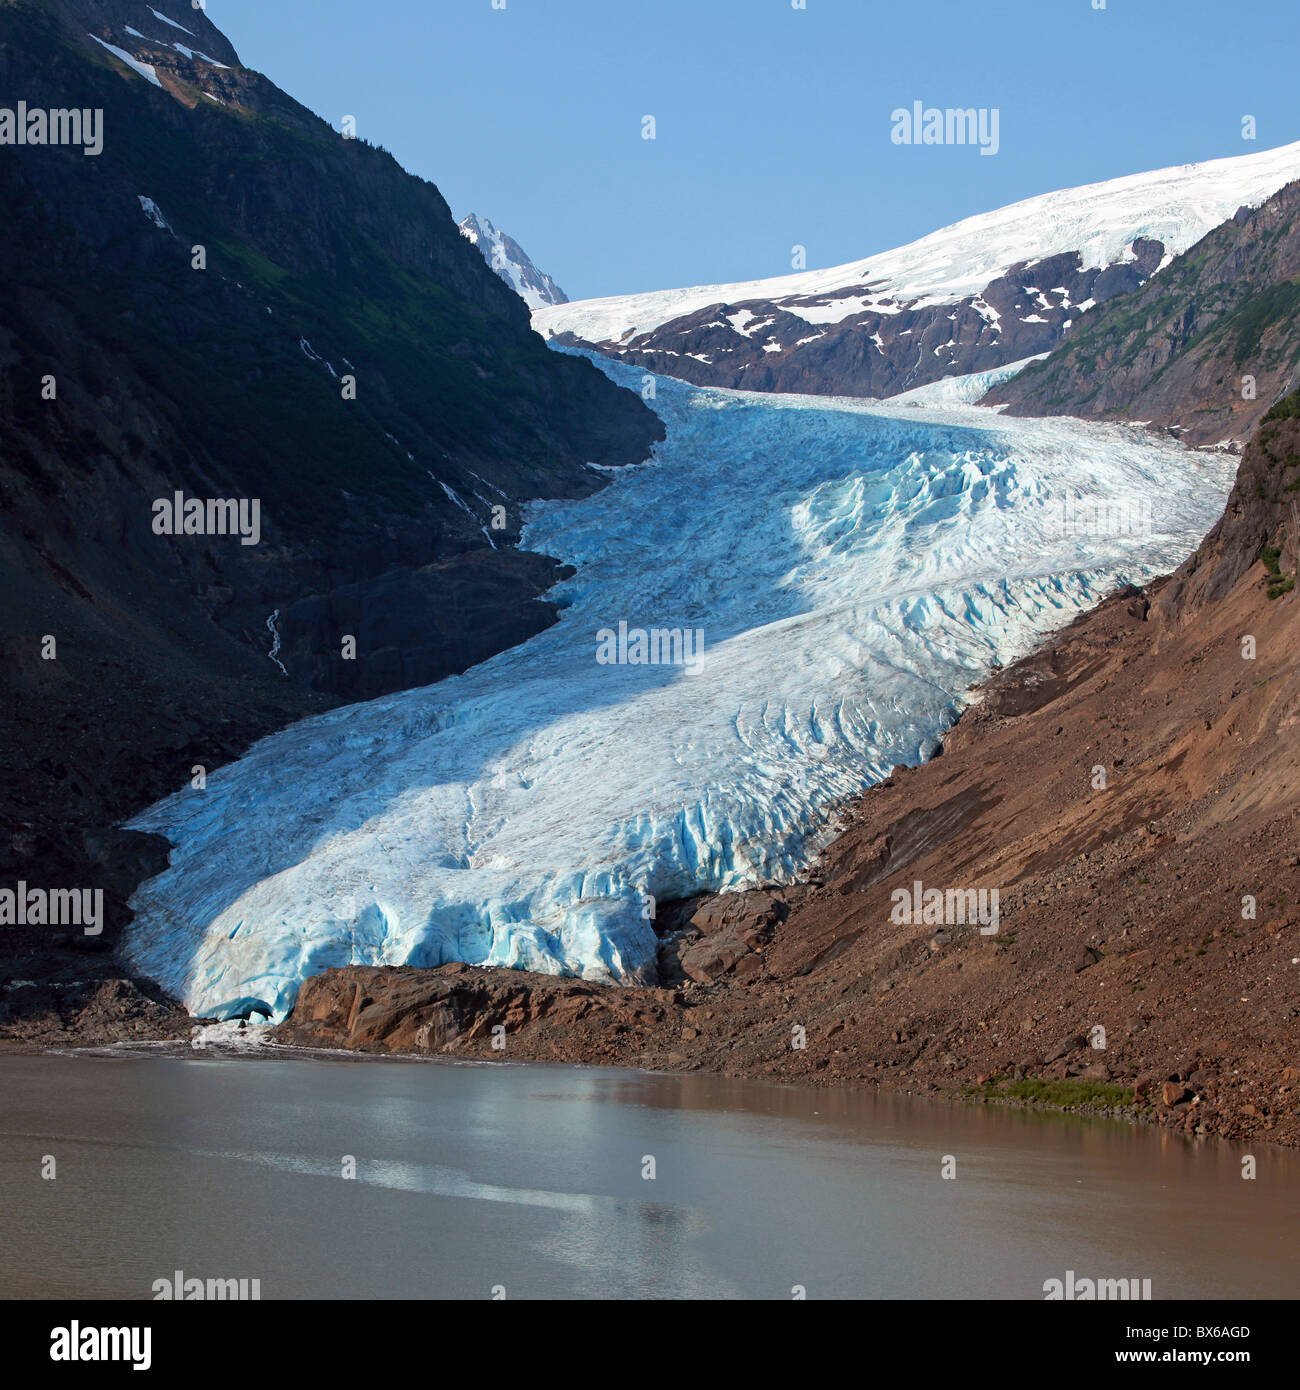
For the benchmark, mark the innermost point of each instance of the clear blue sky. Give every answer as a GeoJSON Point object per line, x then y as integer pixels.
{"type": "Point", "coordinates": [773, 123]}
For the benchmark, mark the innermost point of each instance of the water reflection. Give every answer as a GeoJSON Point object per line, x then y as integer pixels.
{"type": "Point", "coordinates": [328, 1179]}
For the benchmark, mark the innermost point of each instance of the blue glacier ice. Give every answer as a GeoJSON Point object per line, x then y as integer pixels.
{"type": "Point", "coordinates": [854, 568]}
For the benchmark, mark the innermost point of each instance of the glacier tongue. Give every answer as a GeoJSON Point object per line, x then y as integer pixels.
{"type": "Point", "coordinates": [854, 569]}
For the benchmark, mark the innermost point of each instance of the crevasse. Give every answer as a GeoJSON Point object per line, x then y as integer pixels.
{"type": "Point", "coordinates": [855, 568]}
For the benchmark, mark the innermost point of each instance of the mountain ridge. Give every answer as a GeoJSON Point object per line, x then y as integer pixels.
{"type": "Point", "coordinates": [1203, 349]}
{"type": "Point", "coordinates": [980, 294]}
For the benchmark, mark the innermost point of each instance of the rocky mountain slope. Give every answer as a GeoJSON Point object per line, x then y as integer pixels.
{"type": "Point", "coordinates": [1202, 349]}
{"type": "Point", "coordinates": [232, 301]}
{"type": "Point", "coordinates": [1147, 957]}
{"type": "Point", "coordinates": [984, 293]}
{"type": "Point", "coordinates": [512, 263]}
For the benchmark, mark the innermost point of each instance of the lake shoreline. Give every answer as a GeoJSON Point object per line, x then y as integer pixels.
{"type": "Point", "coordinates": [1132, 1118]}
{"type": "Point", "coordinates": [1125, 975]}
{"type": "Point", "coordinates": [746, 969]}
{"type": "Point", "coordinates": [563, 1181]}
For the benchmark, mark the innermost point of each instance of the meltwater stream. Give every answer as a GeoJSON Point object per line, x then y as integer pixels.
{"type": "Point", "coordinates": [852, 570]}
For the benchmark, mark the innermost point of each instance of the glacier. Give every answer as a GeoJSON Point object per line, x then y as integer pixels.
{"type": "Point", "coordinates": [855, 569]}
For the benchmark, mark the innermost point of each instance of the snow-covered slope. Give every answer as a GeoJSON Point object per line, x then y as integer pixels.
{"type": "Point", "coordinates": [853, 570]}
{"type": "Point", "coordinates": [979, 294]}
{"type": "Point", "coordinates": [1100, 220]}
{"type": "Point", "coordinates": [512, 263]}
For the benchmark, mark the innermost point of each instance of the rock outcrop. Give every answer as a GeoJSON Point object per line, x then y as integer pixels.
{"type": "Point", "coordinates": [758, 345]}
{"type": "Point", "coordinates": [1260, 524]}
{"type": "Point", "coordinates": [457, 1007]}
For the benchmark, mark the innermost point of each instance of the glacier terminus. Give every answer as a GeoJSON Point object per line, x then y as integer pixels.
{"type": "Point", "coordinates": [853, 570]}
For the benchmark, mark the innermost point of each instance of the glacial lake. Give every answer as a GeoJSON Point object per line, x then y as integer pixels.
{"type": "Point", "coordinates": [526, 1181]}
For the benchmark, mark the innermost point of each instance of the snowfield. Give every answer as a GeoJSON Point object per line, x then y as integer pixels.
{"type": "Point", "coordinates": [1101, 221]}
{"type": "Point", "coordinates": [854, 568]}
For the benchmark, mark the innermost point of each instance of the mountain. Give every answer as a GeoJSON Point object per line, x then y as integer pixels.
{"type": "Point", "coordinates": [1203, 349]}
{"type": "Point", "coordinates": [511, 262]}
{"type": "Point", "coordinates": [985, 293]}
{"type": "Point", "coordinates": [324, 260]}
{"type": "Point", "coordinates": [232, 301]}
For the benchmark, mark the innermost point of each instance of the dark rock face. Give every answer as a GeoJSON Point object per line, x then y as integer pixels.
{"type": "Point", "coordinates": [90, 1007]}
{"type": "Point", "coordinates": [1260, 521]}
{"type": "Point", "coordinates": [184, 312]}
{"type": "Point", "coordinates": [1202, 349]}
{"type": "Point", "coordinates": [325, 263]}
{"type": "Point", "coordinates": [1021, 314]}
{"type": "Point", "coordinates": [724, 934]}
{"type": "Point", "coordinates": [416, 625]}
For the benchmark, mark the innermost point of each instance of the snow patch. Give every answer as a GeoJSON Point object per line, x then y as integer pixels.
{"type": "Point", "coordinates": [273, 629]}
{"type": "Point", "coordinates": [314, 356]}
{"type": "Point", "coordinates": [154, 213]}
{"type": "Point", "coordinates": [146, 70]}
{"type": "Point", "coordinates": [194, 53]}
{"type": "Point", "coordinates": [744, 317]}
{"type": "Point", "coordinates": [157, 15]}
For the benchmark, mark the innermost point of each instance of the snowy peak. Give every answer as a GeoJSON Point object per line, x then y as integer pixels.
{"type": "Point", "coordinates": [512, 263]}
{"type": "Point", "coordinates": [972, 297]}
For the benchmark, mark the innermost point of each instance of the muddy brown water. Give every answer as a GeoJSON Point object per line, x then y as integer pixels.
{"type": "Point", "coordinates": [536, 1181]}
